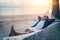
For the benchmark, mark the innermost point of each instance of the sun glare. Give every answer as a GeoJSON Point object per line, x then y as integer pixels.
{"type": "Point", "coordinates": [42, 2]}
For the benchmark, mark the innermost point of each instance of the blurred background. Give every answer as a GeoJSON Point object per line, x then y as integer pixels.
{"type": "Point", "coordinates": [23, 13]}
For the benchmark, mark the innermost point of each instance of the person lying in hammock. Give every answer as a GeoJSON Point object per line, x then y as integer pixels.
{"type": "Point", "coordinates": [40, 25]}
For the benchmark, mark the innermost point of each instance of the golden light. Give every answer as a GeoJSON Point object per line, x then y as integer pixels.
{"type": "Point", "coordinates": [42, 2]}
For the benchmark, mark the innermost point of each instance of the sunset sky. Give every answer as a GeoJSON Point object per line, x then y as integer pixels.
{"type": "Point", "coordinates": [22, 7]}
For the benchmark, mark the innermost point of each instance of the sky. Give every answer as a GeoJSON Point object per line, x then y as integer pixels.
{"type": "Point", "coordinates": [22, 7]}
